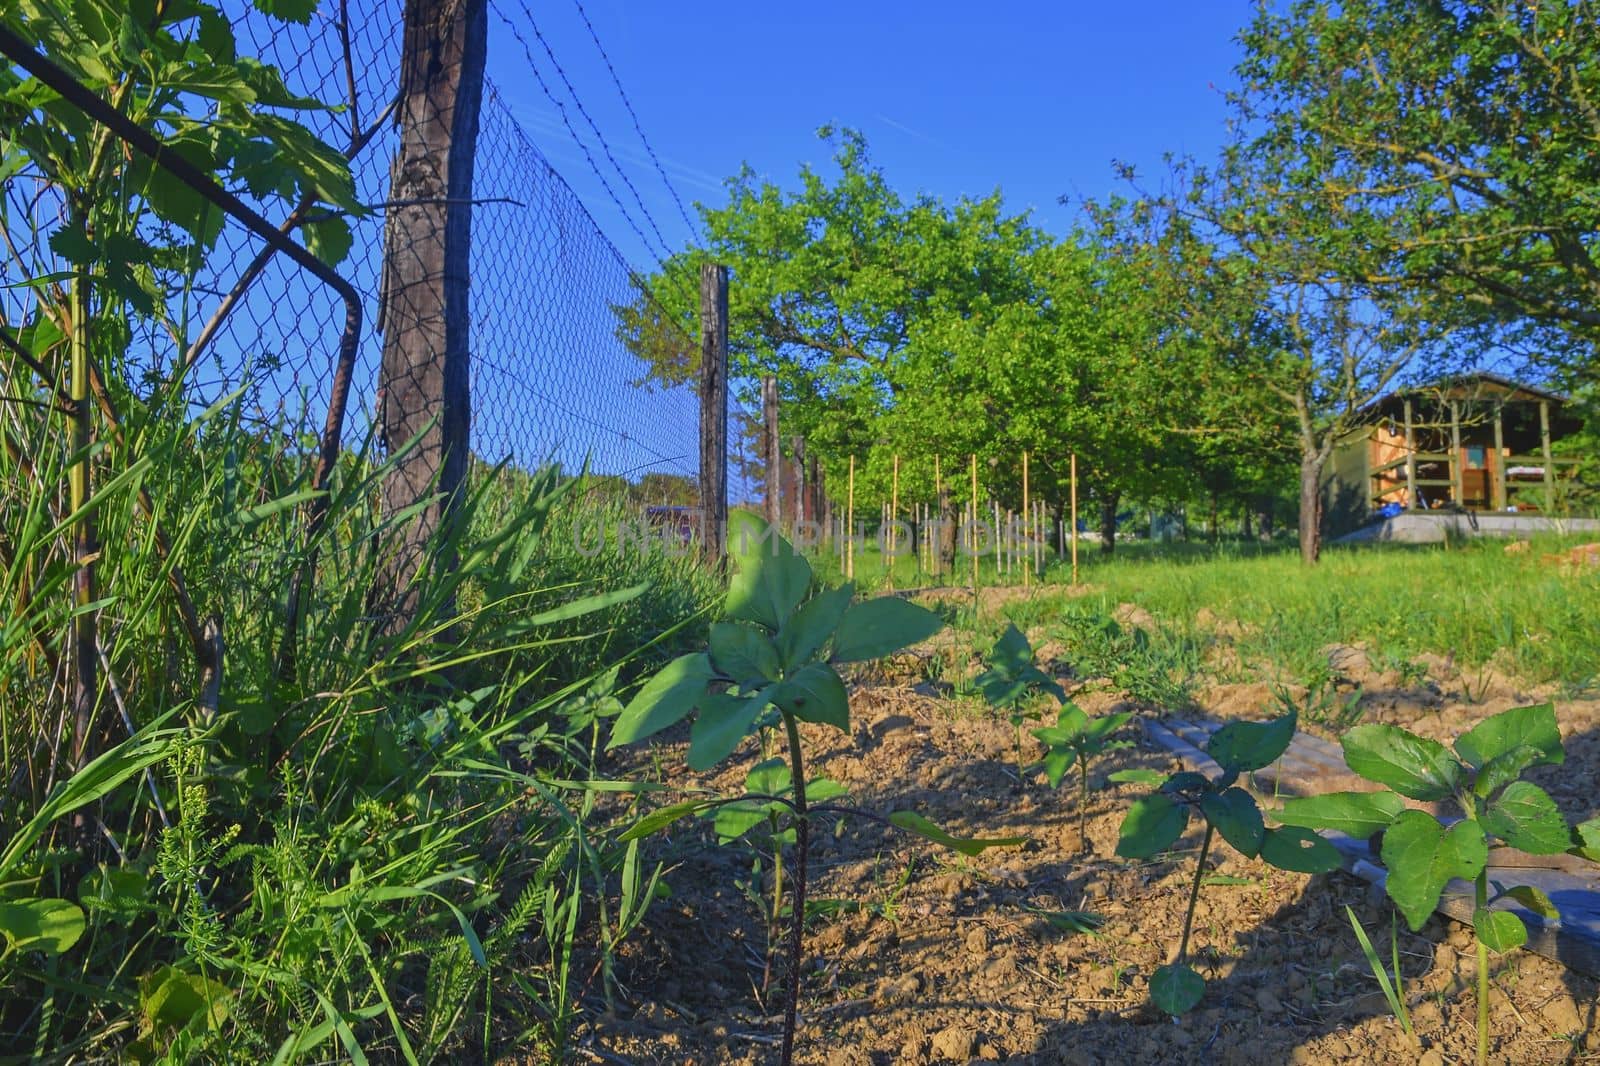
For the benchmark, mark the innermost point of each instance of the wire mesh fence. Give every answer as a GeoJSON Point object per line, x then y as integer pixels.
{"type": "Point", "coordinates": [552, 378]}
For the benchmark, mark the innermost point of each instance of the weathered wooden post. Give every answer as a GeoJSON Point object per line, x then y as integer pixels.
{"type": "Point", "coordinates": [1411, 460]}
{"type": "Point", "coordinates": [772, 450]}
{"type": "Point", "coordinates": [1548, 457]}
{"type": "Point", "coordinates": [424, 379]}
{"type": "Point", "coordinates": [1499, 459]}
{"type": "Point", "coordinates": [1458, 473]}
{"type": "Point", "coordinates": [713, 412]}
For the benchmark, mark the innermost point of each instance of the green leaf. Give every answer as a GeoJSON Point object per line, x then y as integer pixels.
{"type": "Point", "coordinates": [48, 925]}
{"type": "Point", "coordinates": [1234, 814]}
{"type": "Point", "coordinates": [1422, 857]}
{"type": "Point", "coordinates": [119, 892]}
{"type": "Point", "coordinates": [1300, 851]}
{"type": "Point", "coordinates": [328, 239]}
{"type": "Point", "coordinates": [823, 789]}
{"type": "Point", "coordinates": [770, 580]}
{"type": "Point", "coordinates": [1071, 922]}
{"type": "Point", "coordinates": [1152, 824]}
{"type": "Point", "coordinates": [171, 999]}
{"type": "Point", "coordinates": [1057, 762]}
{"type": "Point", "coordinates": [734, 820]}
{"type": "Point", "coordinates": [809, 628]}
{"type": "Point", "coordinates": [814, 693]}
{"type": "Point", "coordinates": [916, 823]}
{"type": "Point", "coordinates": [1176, 989]}
{"type": "Point", "coordinates": [1535, 900]}
{"type": "Point", "coordinates": [1357, 814]}
{"type": "Point", "coordinates": [875, 628]}
{"type": "Point", "coordinates": [1136, 777]}
{"type": "Point", "coordinates": [770, 777]}
{"type": "Point", "coordinates": [288, 10]}
{"type": "Point", "coordinates": [743, 653]}
{"type": "Point", "coordinates": [1504, 769]}
{"type": "Point", "coordinates": [1586, 840]}
{"type": "Point", "coordinates": [662, 817]}
{"type": "Point", "coordinates": [1011, 653]}
{"type": "Point", "coordinates": [722, 722]}
{"type": "Point", "coordinates": [1411, 765]}
{"type": "Point", "coordinates": [1185, 781]}
{"type": "Point", "coordinates": [1245, 746]}
{"type": "Point", "coordinates": [1526, 818]}
{"type": "Point", "coordinates": [1532, 727]}
{"type": "Point", "coordinates": [665, 700]}
{"type": "Point", "coordinates": [1499, 930]}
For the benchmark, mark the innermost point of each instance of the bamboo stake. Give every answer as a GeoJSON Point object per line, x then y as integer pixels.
{"type": "Point", "coordinates": [850, 530]}
{"type": "Point", "coordinates": [935, 559]}
{"type": "Point", "coordinates": [1073, 529]}
{"type": "Point", "coordinates": [1026, 515]}
{"type": "Point", "coordinates": [973, 526]}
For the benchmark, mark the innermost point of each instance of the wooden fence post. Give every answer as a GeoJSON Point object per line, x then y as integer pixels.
{"type": "Point", "coordinates": [772, 450]}
{"type": "Point", "coordinates": [423, 379]}
{"type": "Point", "coordinates": [1027, 521]}
{"type": "Point", "coordinates": [1548, 458]}
{"type": "Point", "coordinates": [713, 411]}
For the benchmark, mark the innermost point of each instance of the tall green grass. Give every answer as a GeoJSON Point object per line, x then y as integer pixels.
{"type": "Point", "coordinates": [386, 848]}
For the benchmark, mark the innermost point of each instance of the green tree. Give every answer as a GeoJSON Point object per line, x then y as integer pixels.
{"type": "Point", "coordinates": [1455, 137]}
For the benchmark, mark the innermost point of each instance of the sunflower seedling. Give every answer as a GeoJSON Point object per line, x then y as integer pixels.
{"type": "Point", "coordinates": [1482, 777]}
{"type": "Point", "coordinates": [1154, 823]}
{"type": "Point", "coordinates": [1012, 683]}
{"type": "Point", "coordinates": [771, 661]}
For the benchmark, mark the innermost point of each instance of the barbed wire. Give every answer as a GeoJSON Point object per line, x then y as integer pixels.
{"type": "Point", "coordinates": [665, 248]}
{"type": "Point", "coordinates": [634, 115]}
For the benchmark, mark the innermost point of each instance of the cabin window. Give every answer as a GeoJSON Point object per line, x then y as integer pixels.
{"type": "Point", "coordinates": [1477, 456]}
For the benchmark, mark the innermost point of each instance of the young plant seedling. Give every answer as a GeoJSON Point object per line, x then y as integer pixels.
{"type": "Point", "coordinates": [1077, 738]}
{"type": "Point", "coordinates": [1153, 824]}
{"type": "Point", "coordinates": [1012, 683]}
{"type": "Point", "coordinates": [772, 659]}
{"type": "Point", "coordinates": [1483, 778]}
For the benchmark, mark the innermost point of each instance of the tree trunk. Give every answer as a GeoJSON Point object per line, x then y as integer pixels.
{"type": "Point", "coordinates": [1311, 464]}
{"type": "Point", "coordinates": [1245, 532]}
{"type": "Point", "coordinates": [1108, 522]}
{"type": "Point", "coordinates": [423, 384]}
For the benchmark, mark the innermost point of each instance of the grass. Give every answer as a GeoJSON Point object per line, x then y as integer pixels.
{"type": "Point", "coordinates": [1473, 603]}
{"type": "Point", "coordinates": [386, 848]}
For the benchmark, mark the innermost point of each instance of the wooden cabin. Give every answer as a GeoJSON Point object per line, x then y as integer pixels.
{"type": "Point", "coordinates": [1479, 443]}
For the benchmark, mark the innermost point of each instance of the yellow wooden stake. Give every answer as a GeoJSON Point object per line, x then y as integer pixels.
{"type": "Point", "coordinates": [850, 527]}
{"type": "Point", "coordinates": [1074, 518]}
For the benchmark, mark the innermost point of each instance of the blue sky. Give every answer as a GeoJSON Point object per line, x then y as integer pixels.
{"type": "Point", "coordinates": [1034, 98]}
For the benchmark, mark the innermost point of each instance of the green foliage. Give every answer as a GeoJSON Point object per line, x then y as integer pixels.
{"type": "Point", "coordinates": [1482, 777]}
{"type": "Point", "coordinates": [1154, 824]}
{"type": "Point", "coordinates": [771, 662]}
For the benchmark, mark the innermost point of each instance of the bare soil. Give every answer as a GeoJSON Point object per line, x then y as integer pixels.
{"type": "Point", "coordinates": [941, 958]}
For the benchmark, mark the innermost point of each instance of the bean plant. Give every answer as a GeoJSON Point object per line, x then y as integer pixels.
{"type": "Point", "coordinates": [1482, 779]}
{"type": "Point", "coordinates": [1154, 823]}
{"type": "Point", "coordinates": [772, 661]}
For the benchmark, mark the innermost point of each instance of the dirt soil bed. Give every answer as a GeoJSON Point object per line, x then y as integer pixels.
{"type": "Point", "coordinates": [946, 959]}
